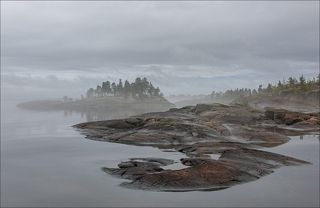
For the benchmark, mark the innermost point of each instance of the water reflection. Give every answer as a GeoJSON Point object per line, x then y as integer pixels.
{"type": "Point", "coordinates": [34, 158]}
{"type": "Point", "coordinates": [91, 115]}
{"type": "Point", "coordinates": [313, 136]}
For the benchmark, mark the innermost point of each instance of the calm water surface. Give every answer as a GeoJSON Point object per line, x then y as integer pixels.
{"type": "Point", "coordinates": [45, 162]}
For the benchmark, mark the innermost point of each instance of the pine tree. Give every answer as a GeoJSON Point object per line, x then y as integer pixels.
{"type": "Point", "coordinates": [269, 88]}
{"type": "Point", "coordinates": [292, 81]}
{"type": "Point", "coordinates": [98, 90]}
{"type": "Point", "coordinates": [90, 93]}
{"type": "Point", "coordinates": [126, 89]}
{"type": "Point", "coordinates": [114, 88]}
{"type": "Point", "coordinates": [120, 87]}
{"type": "Point", "coordinates": [254, 92]}
{"type": "Point", "coordinates": [302, 83]}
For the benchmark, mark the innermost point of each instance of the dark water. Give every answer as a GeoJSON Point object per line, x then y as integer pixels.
{"type": "Point", "coordinates": [45, 162]}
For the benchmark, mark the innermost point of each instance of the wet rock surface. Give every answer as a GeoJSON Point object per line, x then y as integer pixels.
{"type": "Point", "coordinates": [236, 132]}
{"type": "Point", "coordinates": [282, 116]}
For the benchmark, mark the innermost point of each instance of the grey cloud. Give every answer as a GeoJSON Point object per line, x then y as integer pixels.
{"type": "Point", "coordinates": [232, 40]}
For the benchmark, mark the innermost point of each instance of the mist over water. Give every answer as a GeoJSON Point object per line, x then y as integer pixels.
{"type": "Point", "coordinates": [56, 60]}
{"type": "Point", "coordinates": [45, 162]}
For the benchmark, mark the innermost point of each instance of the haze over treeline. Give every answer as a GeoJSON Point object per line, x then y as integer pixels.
{"type": "Point", "coordinates": [181, 47]}
{"type": "Point", "coordinates": [142, 89]}
{"type": "Point", "coordinates": [139, 89]}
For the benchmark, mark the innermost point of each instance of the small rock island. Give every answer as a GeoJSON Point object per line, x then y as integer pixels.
{"type": "Point", "coordinates": [238, 133]}
{"type": "Point", "coordinates": [116, 99]}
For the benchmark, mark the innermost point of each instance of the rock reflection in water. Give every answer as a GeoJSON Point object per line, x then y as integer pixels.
{"type": "Point", "coordinates": [103, 115]}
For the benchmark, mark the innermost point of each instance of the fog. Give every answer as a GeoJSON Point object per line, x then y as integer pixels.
{"type": "Point", "coordinates": [52, 49]}
{"type": "Point", "coordinates": [174, 134]}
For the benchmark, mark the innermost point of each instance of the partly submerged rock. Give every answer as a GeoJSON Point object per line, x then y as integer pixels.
{"type": "Point", "coordinates": [233, 167]}
{"type": "Point", "coordinates": [137, 167]}
{"type": "Point", "coordinates": [236, 132]}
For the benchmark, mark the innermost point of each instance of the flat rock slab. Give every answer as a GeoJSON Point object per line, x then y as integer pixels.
{"type": "Point", "coordinates": [233, 167]}
{"type": "Point", "coordinates": [236, 132]}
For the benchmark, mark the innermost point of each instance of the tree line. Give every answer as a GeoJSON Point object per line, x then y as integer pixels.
{"type": "Point", "coordinates": [292, 85]}
{"type": "Point", "coordinates": [140, 88]}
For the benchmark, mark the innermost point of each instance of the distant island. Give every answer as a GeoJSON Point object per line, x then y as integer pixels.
{"type": "Point", "coordinates": [293, 94]}
{"type": "Point", "coordinates": [119, 99]}
{"type": "Point", "coordinates": [140, 89]}
{"type": "Point", "coordinates": [140, 96]}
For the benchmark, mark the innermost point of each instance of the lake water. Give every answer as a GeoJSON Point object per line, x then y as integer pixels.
{"type": "Point", "coordinates": [45, 162]}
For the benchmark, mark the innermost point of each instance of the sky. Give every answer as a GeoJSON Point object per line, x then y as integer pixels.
{"type": "Point", "coordinates": [51, 49]}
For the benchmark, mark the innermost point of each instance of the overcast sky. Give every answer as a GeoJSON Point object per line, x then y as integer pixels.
{"type": "Point", "coordinates": [182, 47]}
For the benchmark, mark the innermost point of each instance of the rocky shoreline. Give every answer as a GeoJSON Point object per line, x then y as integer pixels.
{"type": "Point", "coordinates": [100, 104]}
{"type": "Point", "coordinates": [237, 133]}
